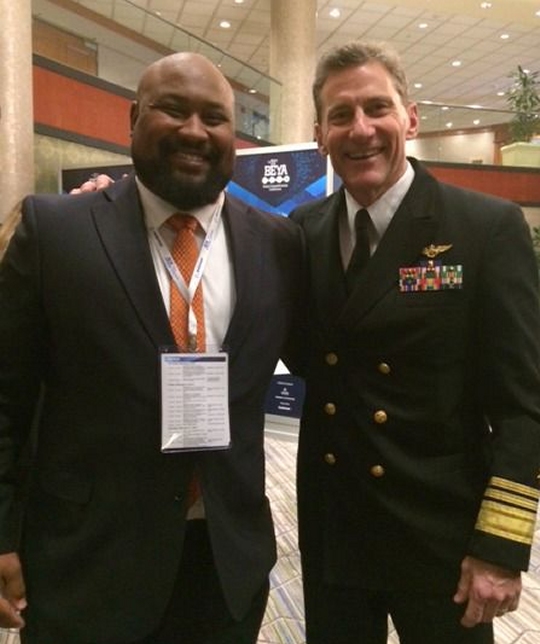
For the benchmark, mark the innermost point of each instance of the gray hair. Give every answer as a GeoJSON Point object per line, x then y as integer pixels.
{"type": "Point", "coordinates": [356, 54]}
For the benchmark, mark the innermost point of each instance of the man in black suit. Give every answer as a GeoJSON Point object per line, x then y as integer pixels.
{"type": "Point", "coordinates": [419, 447]}
{"type": "Point", "coordinates": [110, 552]}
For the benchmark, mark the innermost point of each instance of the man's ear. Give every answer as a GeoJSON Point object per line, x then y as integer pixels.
{"type": "Point", "coordinates": [319, 138]}
{"type": "Point", "coordinates": [133, 114]}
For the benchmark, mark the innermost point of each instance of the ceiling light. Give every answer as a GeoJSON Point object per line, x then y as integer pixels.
{"type": "Point", "coordinates": [456, 63]}
{"type": "Point", "coordinates": [501, 93]}
{"type": "Point", "coordinates": [423, 25]}
{"type": "Point", "coordinates": [476, 122]}
{"type": "Point", "coordinates": [418, 85]}
{"type": "Point", "coordinates": [485, 5]}
{"type": "Point", "coordinates": [445, 108]}
{"type": "Point", "coordinates": [225, 24]}
{"type": "Point", "coordinates": [537, 14]}
{"type": "Point", "coordinates": [334, 13]}
{"type": "Point", "coordinates": [505, 36]}
{"type": "Point", "coordinates": [239, 1]}
{"type": "Point", "coordinates": [252, 91]}
{"type": "Point", "coordinates": [449, 124]}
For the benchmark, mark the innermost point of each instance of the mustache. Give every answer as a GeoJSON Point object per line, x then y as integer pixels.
{"type": "Point", "coordinates": [168, 147]}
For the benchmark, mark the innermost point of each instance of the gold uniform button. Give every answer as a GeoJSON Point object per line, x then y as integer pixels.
{"type": "Point", "coordinates": [380, 417]}
{"type": "Point", "coordinates": [330, 409]}
{"type": "Point", "coordinates": [331, 359]}
{"type": "Point", "coordinates": [377, 471]}
{"type": "Point", "coordinates": [384, 368]}
{"type": "Point", "coordinates": [330, 459]}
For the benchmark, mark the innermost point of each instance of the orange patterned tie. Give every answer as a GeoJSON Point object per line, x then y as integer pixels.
{"type": "Point", "coordinates": [185, 252]}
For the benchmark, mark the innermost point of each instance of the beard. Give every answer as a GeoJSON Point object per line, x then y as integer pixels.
{"type": "Point", "coordinates": [182, 190]}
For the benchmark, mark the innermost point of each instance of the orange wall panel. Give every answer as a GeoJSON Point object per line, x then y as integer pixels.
{"type": "Point", "coordinates": [72, 106]}
{"type": "Point", "coordinates": [521, 185]}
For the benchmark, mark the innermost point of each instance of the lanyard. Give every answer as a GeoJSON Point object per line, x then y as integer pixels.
{"type": "Point", "coordinates": [188, 290]}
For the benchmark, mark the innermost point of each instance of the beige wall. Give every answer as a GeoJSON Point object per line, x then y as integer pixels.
{"type": "Point", "coordinates": [54, 155]}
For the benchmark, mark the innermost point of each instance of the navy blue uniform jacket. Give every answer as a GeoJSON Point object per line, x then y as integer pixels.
{"type": "Point", "coordinates": [420, 440]}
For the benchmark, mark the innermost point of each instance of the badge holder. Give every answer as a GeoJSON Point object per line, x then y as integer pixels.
{"type": "Point", "coordinates": [194, 400]}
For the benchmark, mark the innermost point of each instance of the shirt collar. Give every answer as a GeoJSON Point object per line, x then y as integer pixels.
{"type": "Point", "coordinates": [157, 210]}
{"type": "Point", "coordinates": [382, 210]}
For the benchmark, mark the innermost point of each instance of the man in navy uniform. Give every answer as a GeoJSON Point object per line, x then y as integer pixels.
{"type": "Point", "coordinates": [419, 445]}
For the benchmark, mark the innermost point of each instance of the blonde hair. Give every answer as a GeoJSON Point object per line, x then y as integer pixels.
{"type": "Point", "coordinates": [8, 227]}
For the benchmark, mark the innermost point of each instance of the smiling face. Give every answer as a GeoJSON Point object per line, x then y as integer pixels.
{"type": "Point", "coordinates": [363, 125]}
{"type": "Point", "coordinates": [183, 136]}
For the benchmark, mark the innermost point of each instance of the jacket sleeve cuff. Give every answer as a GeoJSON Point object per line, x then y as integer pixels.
{"type": "Point", "coordinates": [505, 525]}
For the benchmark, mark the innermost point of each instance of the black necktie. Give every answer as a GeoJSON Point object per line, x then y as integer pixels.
{"type": "Point", "coordinates": [361, 252]}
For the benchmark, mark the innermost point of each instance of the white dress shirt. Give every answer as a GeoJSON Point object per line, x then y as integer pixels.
{"type": "Point", "coordinates": [380, 213]}
{"type": "Point", "coordinates": [219, 292]}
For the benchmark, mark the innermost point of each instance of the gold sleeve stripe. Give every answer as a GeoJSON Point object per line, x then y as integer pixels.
{"type": "Point", "coordinates": [506, 522]}
{"type": "Point", "coordinates": [511, 499]}
{"type": "Point", "coordinates": [512, 486]}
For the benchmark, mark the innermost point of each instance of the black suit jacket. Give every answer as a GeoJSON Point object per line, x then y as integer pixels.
{"type": "Point", "coordinates": [81, 312]}
{"type": "Point", "coordinates": [420, 440]}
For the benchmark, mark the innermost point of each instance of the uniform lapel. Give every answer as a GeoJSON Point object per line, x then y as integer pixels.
{"type": "Point", "coordinates": [326, 267]}
{"type": "Point", "coordinates": [120, 224]}
{"type": "Point", "coordinates": [411, 229]}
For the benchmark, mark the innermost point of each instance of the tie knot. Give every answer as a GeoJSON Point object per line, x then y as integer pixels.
{"type": "Point", "coordinates": [180, 221]}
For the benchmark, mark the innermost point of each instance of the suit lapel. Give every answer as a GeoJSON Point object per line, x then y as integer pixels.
{"type": "Point", "coordinates": [411, 229]}
{"type": "Point", "coordinates": [120, 224]}
{"type": "Point", "coordinates": [245, 241]}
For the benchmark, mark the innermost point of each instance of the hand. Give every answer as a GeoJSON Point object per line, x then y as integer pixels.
{"type": "Point", "coordinates": [490, 591]}
{"type": "Point", "coordinates": [95, 183]}
{"type": "Point", "coordinates": [12, 591]}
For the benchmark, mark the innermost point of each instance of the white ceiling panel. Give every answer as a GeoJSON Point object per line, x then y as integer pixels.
{"type": "Point", "coordinates": [456, 29]}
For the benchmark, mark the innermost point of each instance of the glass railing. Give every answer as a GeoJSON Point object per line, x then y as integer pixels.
{"type": "Point", "coordinates": [460, 133]}
{"type": "Point", "coordinates": [126, 38]}
{"type": "Point", "coordinates": [442, 117]}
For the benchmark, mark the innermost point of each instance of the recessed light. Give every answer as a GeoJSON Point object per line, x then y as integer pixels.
{"type": "Point", "coordinates": [334, 13]}
{"type": "Point", "coordinates": [445, 108]}
{"type": "Point", "coordinates": [476, 122]}
{"type": "Point", "coordinates": [252, 91]}
{"type": "Point", "coordinates": [225, 24]}
{"type": "Point", "coordinates": [456, 63]}
{"type": "Point", "coordinates": [423, 25]}
{"type": "Point", "coordinates": [418, 85]}
{"type": "Point", "coordinates": [423, 117]}
{"type": "Point", "coordinates": [505, 36]}
{"type": "Point", "coordinates": [485, 5]}
{"type": "Point", "coordinates": [449, 124]}
{"type": "Point", "coordinates": [501, 93]}
{"type": "Point", "coordinates": [239, 1]}
{"type": "Point", "coordinates": [537, 14]}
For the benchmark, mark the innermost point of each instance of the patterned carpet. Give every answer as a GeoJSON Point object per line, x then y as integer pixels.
{"type": "Point", "coordinates": [283, 623]}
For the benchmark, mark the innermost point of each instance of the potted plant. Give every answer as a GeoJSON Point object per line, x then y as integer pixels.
{"type": "Point", "coordinates": [523, 98]}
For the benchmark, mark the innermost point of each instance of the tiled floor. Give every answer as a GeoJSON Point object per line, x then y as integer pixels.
{"type": "Point", "coordinates": [283, 623]}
